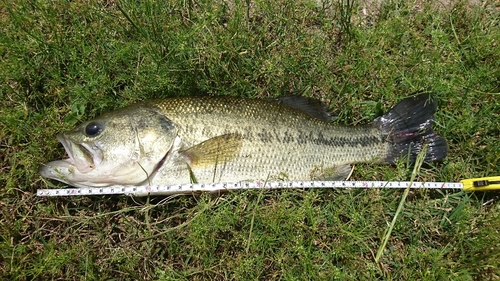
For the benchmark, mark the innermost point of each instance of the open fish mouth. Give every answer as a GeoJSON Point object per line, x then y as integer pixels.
{"type": "Point", "coordinates": [82, 156]}
{"type": "Point", "coordinates": [82, 159]}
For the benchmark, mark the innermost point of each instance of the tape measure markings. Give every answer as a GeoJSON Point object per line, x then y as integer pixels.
{"type": "Point", "coordinates": [210, 187]}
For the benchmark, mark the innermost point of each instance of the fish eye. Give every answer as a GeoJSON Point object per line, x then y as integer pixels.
{"type": "Point", "coordinates": [93, 129]}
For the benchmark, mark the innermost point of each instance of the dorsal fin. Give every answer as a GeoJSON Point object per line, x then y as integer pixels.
{"type": "Point", "coordinates": [310, 106]}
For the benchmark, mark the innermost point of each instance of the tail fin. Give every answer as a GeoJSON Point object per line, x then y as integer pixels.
{"type": "Point", "coordinates": [408, 128]}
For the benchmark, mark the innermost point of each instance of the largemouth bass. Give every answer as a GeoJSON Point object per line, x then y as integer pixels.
{"type": "Point", "coordinates": [226, 139]}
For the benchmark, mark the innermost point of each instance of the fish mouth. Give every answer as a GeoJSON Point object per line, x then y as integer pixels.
{"type": "Point", "coordinates": [81, 156]}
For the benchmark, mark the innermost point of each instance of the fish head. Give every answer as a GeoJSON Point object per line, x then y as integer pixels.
{"type": "Point", "coordinates": [124, 147]}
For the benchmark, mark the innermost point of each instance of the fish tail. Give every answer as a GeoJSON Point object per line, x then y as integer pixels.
{"type": "Point", "coordinates": [408, 129]}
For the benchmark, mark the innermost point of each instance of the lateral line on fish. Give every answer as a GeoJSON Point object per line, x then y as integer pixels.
{"type": "Point", "coordinates": [475, 184]}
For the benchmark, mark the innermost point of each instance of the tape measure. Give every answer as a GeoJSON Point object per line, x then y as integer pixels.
{"type": "Point", "coordinates": [475, 184]}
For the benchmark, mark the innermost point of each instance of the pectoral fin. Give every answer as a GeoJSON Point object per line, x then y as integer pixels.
{"type": "Point", "coordinates": [215, 151]}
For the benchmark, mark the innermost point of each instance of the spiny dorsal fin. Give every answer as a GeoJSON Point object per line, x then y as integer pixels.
{"type": "Point", "coordinates": [310, 106]}
{"type": "Point", "coordinates": [215, 151]}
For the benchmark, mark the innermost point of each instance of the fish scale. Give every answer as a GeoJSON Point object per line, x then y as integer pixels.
{"type": "Point", "coordinates": [311, 144]}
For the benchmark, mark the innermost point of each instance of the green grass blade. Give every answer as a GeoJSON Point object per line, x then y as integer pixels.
{"type": "Point", "coordinates": [416, 169]}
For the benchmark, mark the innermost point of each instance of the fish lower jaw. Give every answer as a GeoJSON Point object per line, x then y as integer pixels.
{"type": "Point", "coordinates": [60, 169]}
{"type": "Point", "coordinates": [57, 170]}
{"type": "Point", "coordinates": [65, 172]}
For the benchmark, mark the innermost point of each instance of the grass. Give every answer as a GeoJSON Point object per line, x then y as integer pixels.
{"type": "Point", "coordinates": [63, 62]}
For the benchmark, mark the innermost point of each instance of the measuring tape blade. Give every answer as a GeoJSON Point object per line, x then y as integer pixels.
{"type": "Point", "coordinates": [211, 187]}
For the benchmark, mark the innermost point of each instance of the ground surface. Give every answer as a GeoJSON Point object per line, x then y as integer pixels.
{"type": "Point", "coordinates": [63, 62]}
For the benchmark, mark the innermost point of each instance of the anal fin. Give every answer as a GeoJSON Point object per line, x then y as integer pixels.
{"type": "Point", "coordinates": [336, 173]}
